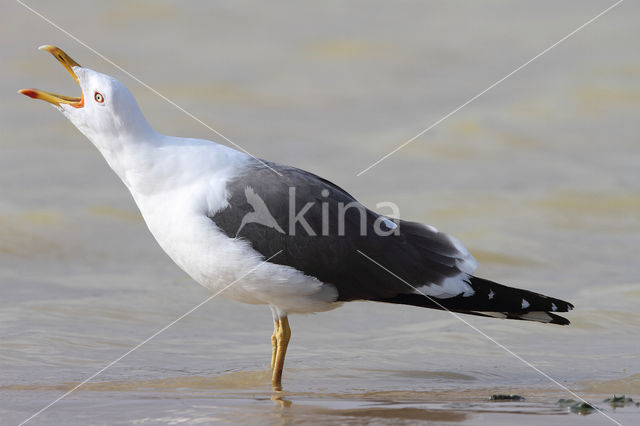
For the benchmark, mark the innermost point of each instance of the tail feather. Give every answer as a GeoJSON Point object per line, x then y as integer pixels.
{"type": "Point", "coordinates": [495, 300]}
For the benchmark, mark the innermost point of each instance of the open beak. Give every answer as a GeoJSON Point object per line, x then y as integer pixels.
{"type": "Point", "coordinates": [68, 63]}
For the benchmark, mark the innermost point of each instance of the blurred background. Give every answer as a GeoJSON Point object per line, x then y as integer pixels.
{"type": "Point", "coordinates": [539, 177]}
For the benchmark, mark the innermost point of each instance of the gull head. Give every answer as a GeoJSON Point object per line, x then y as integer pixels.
{"type": "Point", "coordinates": [105, 111]}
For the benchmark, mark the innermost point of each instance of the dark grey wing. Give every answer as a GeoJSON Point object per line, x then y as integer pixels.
{"type": "Point", "coordinates": [321, 229]}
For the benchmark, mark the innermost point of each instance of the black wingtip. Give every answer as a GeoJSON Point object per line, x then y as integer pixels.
{"type": "Point", "coordinates": [538, 316]}
{"type": "Point", "coordinates": [557, 319]}
{"type": "Point", "coordinates": [494, 297]}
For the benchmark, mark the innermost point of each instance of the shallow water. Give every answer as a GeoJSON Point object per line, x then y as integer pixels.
{"type": "Point", "coordinates": [539, 177]}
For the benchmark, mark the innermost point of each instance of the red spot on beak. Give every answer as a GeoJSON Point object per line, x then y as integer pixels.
{"type": "Point", "coordinates": [30, 93]}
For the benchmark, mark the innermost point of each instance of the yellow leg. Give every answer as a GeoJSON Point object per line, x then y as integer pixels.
{"type": "Point", "coordinates": [282, 336]}
{"type": "Point", "coordinates": [274, 343]}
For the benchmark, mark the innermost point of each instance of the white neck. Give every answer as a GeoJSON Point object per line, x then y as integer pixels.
{"type": "Point", "coordinates": [150, 163]}
{"type": "Point", "coordinates": [129, 155]}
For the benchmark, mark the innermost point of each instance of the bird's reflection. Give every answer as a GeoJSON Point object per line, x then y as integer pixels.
{"type": "Point", "coordinates": [278, 396]}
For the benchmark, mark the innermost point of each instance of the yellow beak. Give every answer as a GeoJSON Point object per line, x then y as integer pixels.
{"type": "Point", "coordinates": [68, 63]}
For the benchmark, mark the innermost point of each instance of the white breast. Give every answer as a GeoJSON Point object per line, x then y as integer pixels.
{"type": "Point", "coordinates": [177, 196]}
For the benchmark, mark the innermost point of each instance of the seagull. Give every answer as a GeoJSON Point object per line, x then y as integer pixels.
{"type": "Point", "coordinates": [309, 245]}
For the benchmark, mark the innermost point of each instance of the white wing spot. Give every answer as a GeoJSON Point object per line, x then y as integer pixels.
{"type": "Point", "coordinates": [491, 294]}
{"type": "Point", "coordinates": [554, 307]}
{"type": "Point", "coordinates": [450, 287]}
{"type": "Point", "coordinates": [525, 304]}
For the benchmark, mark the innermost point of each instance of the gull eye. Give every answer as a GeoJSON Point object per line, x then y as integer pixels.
{"type": "Point", "coordinates": [98, 97]}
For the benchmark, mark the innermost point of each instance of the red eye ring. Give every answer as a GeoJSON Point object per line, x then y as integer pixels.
{"type": "Point", "coordinates": [98, 97]}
